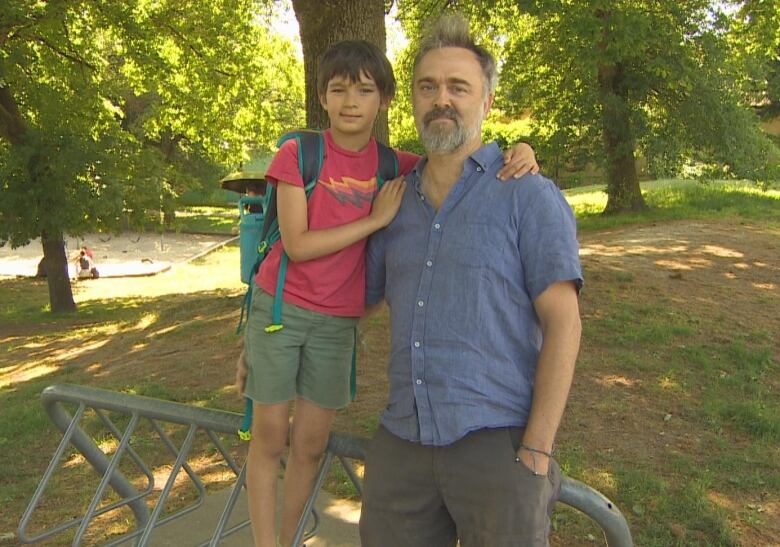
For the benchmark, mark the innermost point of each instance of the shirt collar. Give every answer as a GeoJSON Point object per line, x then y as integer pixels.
{"type": "Point", "coordinates": [483, 157]}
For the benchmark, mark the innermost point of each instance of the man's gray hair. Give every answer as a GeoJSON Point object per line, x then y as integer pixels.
{"type": "Point", "coordinates": [453, 31]}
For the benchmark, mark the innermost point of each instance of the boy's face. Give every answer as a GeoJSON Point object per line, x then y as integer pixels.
{"type": "Point", "coordinates": [352, 106]}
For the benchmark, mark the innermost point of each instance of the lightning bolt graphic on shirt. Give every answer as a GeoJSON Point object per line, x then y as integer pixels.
{"type": "Point", "coordinates": [349, 190]}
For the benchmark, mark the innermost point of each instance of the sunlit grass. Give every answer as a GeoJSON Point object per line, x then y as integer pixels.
{"type": "Point", "coordinates": [694, 372]}
{"type": "Point", "coordinates": [102, 299]}
{"type": "Point", "coordinates": [677, 200]}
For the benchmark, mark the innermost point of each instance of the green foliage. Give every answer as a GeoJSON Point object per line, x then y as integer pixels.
{"type": "Point", "coordinates": [754, 37]}
{"type": "Point", "coordinates": [110, 109]}
{"type": "Point", "coordinates": [674, 68]}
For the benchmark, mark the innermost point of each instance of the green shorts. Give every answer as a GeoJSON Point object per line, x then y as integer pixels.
{"type": "Point", "coordinates": [311, 356]}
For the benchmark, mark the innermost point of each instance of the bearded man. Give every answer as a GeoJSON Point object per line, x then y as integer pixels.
{"type": "Point", "coordinates": [482, 280]}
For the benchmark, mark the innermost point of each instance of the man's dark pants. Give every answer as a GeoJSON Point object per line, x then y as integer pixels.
{"type": "Point", "coordinates": [472, 490]}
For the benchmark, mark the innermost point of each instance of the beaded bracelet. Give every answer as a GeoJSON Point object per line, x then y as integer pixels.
{"type": "Point", "coordinates": [542, 452]}
{"type": "Point", "coordinates": [533, 452]}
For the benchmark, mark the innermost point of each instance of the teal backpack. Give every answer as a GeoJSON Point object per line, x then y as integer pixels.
{"type": "Point", "coordinates": [311, 154]}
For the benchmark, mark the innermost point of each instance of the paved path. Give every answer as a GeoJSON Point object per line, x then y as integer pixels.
{"type": "Point", "coordinates": [117, 255]}
{"type": "Point", "coordinates": [338, 524]}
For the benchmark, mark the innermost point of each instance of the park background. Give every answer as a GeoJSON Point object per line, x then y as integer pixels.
{"type": "Point", "coordinates": [659, 118]}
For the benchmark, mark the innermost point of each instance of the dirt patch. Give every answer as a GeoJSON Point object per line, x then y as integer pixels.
{"type": "Point", "coordinates": [729, 273]}
{"type": "Point", "coordinates": [726, 272]}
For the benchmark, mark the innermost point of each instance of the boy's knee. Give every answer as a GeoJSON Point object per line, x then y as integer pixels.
{"type": "Point", "coordinates": [308, 451]}
{"type": "Point", "coordinates": [267, 448]}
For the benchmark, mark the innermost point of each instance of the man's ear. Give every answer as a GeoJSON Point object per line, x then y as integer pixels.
{"type": "Point", "coordinates": [385, 103]}
{"type": "Point", "coordinates": [489, 103]}
{"type": "Point", "coordinates": [323, 102]}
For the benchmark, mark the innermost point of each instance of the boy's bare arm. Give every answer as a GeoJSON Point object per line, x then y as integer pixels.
{"type": "Point", "coordinates": [302, 244]}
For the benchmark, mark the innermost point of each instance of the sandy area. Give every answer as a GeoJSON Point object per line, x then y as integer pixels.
{"type": "Point", "coordinates": [122, 255]}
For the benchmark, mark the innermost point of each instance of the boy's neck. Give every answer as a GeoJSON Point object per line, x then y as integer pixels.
{"type": "Point", "coordinates": [354, 142]}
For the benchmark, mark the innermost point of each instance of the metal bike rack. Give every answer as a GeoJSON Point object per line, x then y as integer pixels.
{"type": "Point", "coordinates": [155, 411]}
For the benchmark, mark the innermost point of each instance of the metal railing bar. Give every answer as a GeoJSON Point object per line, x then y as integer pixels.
{"type": "Point", "coordinates": [599, 509]}
{"type": "Point", "coordinates": [574, 493]}
{"type": "Point", "coordinates": [130, 450]}
{"type": "Point", "coordinates": [183, 453]}
{"type": "Point", "coordinates": [229, 532]}
{"type": "Point", "coordinates": [53, 464]}
{"type": "Point", "coordinates": [228, 510]}
{"type": "Point", "coordinates": [146, 407]}
{"type": "Point", "coordinates": [92, 453]}
{"type": "Point", "coordinates": [115, 459]}
{"type": "Point", "coordinates": [187, 469]}
{"type": "Point", "coordinates": [348, 446]}
{"type": "Point", "coordinates": [129, 500]}
{"type": "Point", "coordinates": [350, 471]}
{"type": "Point", "coordinates": [225, 454]}
{"type": "Point", "coordinates": [188, 509]}
{"type": "Point", "coordinates": [309, 506]}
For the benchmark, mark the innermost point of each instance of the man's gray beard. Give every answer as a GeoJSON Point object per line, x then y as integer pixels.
{"type": "Point", "coordinates": [445, 140]}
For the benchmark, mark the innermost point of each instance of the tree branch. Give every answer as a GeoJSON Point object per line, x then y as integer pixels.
{"type": "Point", "coordinates": [58, 51]}
{"type": "Point", "coordinates": [11, 123]}
{"type": "Point", "coordinates": [12, 30]}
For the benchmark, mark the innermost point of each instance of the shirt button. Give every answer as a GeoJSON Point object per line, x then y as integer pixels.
{"type": "Point", "coordinates": [479, 169]}
{"type": "Point", "coordinates": [418, 381]}
{"type": "Point", "coordinates": [417, 344]}
{"type": "Point", "coordinates": [429, 263]}
{"type": "Point", "coordinates": [437, 225]}
{"type": "Point", "coordinates": [420, 303]}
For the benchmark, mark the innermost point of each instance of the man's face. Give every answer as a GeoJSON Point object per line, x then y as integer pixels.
{"type": "Point", "coordinates": [449, 99]}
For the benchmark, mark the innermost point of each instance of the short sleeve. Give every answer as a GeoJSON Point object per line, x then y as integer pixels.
{"type": "Point", "coordinates": [375, 268]}
{"type": "Point", "coordinates": [284, 165]}
{"type": "Point", "coordinates": [548, 242]}
{"type": "Point", "coordinates": [406, 161]}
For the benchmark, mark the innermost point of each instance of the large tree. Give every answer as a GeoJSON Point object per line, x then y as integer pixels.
{"type": "Point", "coordinates": [325, 23]}
{"type": "Point", "coordinates": [755, 39]}
{"type": "Point", "coordinates": [608, 79]}
{"type": "Point", "coordinates": [75, 153]}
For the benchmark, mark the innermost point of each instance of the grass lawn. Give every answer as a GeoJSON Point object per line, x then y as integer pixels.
{"type": "Point", "coordinates": [674, 415]}
{"type": "Point", "coordinates": [207, 220]}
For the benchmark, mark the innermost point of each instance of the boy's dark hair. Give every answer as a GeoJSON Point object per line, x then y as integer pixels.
{"type": "Point", "coordinates": [351, 57]}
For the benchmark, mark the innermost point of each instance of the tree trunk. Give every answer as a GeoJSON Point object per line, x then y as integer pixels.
{"type": "Point", "coordinates": [325, 23]}
{"type": "Point", "coordinates": [56, 264]}
{"type": "Point", "coordinates": [623, 191]}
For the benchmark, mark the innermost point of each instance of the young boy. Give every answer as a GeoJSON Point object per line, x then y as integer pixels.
{"type": "Point", "coordinates": [309, 360]}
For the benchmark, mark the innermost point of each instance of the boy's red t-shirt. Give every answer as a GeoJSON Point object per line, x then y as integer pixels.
{"type": "Point", "coordinates": [332, 284]}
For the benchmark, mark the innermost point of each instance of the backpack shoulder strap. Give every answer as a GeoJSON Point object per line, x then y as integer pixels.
{"type": "Point", "coordinates": [388, 164]}
{"type": "Point", "coordinates": [311, 154]}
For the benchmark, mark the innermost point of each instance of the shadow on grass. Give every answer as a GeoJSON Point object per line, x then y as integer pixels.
{"type": "Point", "coordinates": [176, 347]}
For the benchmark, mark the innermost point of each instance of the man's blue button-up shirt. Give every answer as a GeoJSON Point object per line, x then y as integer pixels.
{"type": "Point", "coordinates": [460, 283]}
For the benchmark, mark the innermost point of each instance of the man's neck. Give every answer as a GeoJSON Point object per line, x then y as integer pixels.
{"type": "Point", "coordinates": [442, 171]}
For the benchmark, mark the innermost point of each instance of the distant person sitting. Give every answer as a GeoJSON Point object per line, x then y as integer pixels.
{"type": "Point", "coordinates": [85, 265]}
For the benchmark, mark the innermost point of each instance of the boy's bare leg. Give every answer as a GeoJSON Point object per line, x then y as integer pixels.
{"type": "Point", "coordinates": [310, 432]}
{"type": "Point", "coordinates": [270, 426]}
